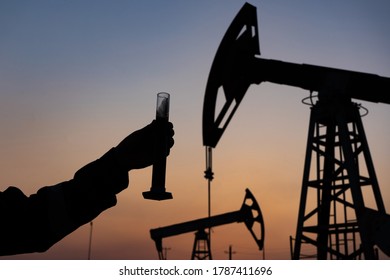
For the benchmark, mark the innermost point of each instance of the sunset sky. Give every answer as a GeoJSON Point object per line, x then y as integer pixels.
{"type": "Point", "coordinates": [76, 77]}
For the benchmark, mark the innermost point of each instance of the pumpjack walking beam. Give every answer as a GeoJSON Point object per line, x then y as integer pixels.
{"type": "Point", "coordinates": [250, 214]}
{"type": "Point", "coordinates": [236, 66]}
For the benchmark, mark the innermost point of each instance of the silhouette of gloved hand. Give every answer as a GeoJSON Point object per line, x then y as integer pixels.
{"type": "Point", "coordinates": [137, 150]}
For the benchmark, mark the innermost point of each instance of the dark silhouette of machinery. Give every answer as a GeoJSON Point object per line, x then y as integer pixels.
{"type": "Point", "coordinates": [338, 169]}
{"type": "Point", "coordinates": [250, 214]}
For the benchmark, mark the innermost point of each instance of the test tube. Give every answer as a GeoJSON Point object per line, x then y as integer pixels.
{"type": "Point", "coordinates": [162, 106]}
{"type": "Point", "coordinates": [157, 191]}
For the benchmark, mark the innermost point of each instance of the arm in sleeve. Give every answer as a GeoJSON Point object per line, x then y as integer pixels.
{"type": "Point", "coordinates": [35, 223]}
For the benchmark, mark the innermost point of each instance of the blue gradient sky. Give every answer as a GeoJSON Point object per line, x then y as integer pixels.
{"type": "Point", "coordinates": [77, 76]}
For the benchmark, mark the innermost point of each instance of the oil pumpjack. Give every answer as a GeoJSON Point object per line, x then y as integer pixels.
{"type": "Point", "coordinates": [249, 214]}
{"type": "Point", "coordinates": [338, 167]}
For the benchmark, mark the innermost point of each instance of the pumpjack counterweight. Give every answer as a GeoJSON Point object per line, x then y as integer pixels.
{"type": "Point", "coordinates": [340, 225]}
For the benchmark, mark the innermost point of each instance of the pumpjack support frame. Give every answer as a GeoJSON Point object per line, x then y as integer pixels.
{"type": "Point", "coordinates": [335, 182]}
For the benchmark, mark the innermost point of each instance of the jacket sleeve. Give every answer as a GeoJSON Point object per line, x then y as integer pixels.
{"type": "Point", "coordinates": [35, 223]}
